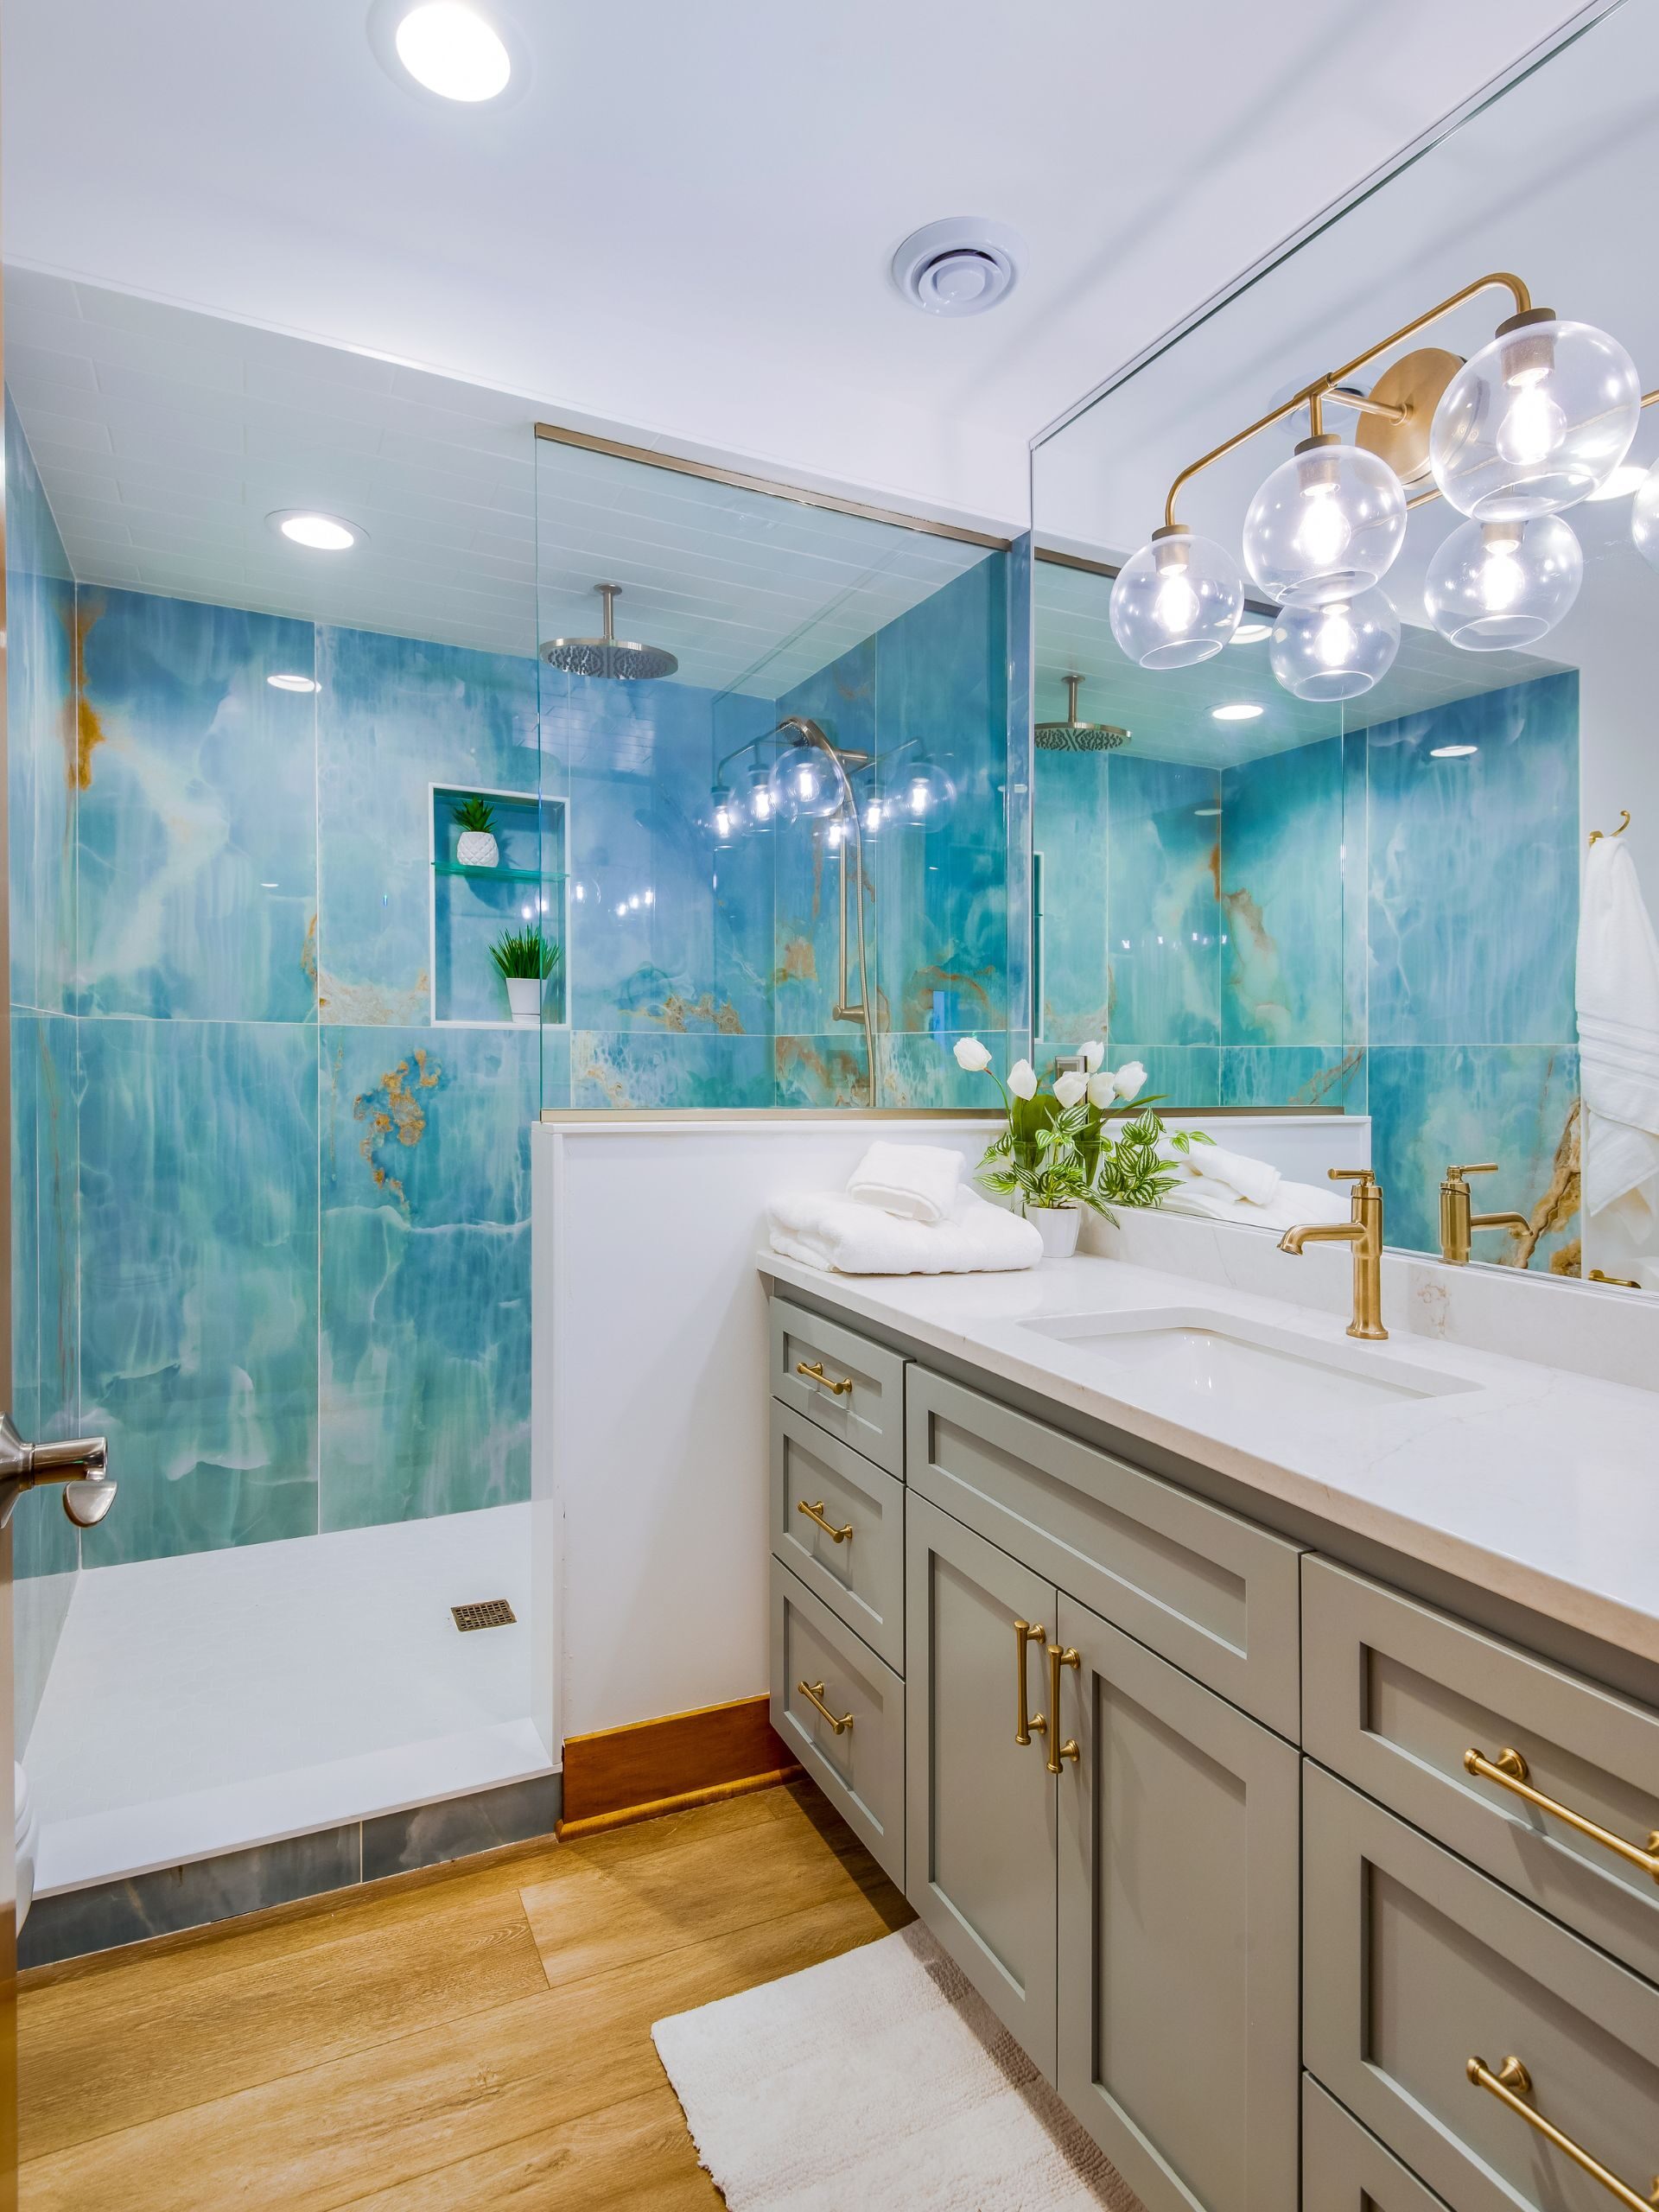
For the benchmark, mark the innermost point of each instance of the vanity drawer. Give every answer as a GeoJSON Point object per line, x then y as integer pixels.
{"type": "Point", "coordinates": [861, 1769]}
{"type": "Point", "coordinates": [1396, 1693]}
{"type": "Point", "coordinates": [859, 1570]}
{"type": "Point", "coordinates": [1414, 1965]}
{"type": "Point", "coordinates": [1213, 1594]}
{"type": "Point", "coordinates": [868, 1410]}
{"type": "Point", "coordinates": [1345, 2169]}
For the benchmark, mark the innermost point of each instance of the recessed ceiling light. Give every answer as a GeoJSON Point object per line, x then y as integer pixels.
{"type": "Point", "coordinates": [1628, 477]}
{"type": "Point", "coordinates": [292, 682]}
{"type": "Point", "coordinates": [1250, 633]}
{"type": "Point", "coordinates": [1240, 711]}
{"type": "Point", "coordinates": [1452, 752]}
{"type": "Point", "coordinates": [318, 533]}
{"type": "Point", "coordinates": [451, 50]}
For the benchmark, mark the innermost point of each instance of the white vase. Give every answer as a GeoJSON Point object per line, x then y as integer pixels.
{"type": "Point", "coordinates": [477, 848]}
{"type": "Point", "coordinates": [524, 997]}
{"type": "Point", "coordinates": [1057, 1226]}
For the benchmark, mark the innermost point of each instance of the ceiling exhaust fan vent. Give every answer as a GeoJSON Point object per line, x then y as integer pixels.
{"type": "Point", "coordinates": [961, 266]}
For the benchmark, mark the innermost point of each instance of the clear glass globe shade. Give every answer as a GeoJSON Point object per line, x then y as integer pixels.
{"type": "Point", "coordinates": [921, 794]}
{"type": "Point", "coordinates": [1328, 522]}
{"type": "Point", "coordinates": [1177, 601]}
{"type": "Point", "coordinates": [1644, 518]}
{"type": "Point", "coordinates": [759, 804]}
{"type": "Point", "coordinates": [725, 816]}
{"type": "Point", "coordinates": [1502, 583]}
{"type": "Point", "coordinates": [1324, 649]}
{"type": "Point", "coordinates": [1536, 422]}
{"type": "Point", "coordinates": [803, 784]}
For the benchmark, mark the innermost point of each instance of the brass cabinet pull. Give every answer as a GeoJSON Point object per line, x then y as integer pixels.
{"type": "Point", "coordinates": [1511, 1771]}
{"type": "Point", "coordinates": [816, 1374]}
{"type": "Point", "coordinates": [815, 1513]}
{"type": "Point", "coordinates": [813, 1693]}
{"type": "Point", "coordinates": [1058, 1752]}
{"type": "Point", "coordinates": [1512, 2085]}
{"type": "Point", "coordinates": [1029, 1724]}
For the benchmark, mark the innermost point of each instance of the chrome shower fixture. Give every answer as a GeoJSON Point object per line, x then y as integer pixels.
{"type": "Point", "coordinates": [613, 659]}
{"type": "Point", "coordinates": [1073, 736]}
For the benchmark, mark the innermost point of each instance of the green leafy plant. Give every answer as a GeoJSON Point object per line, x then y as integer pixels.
{"type": "Point", "coordinates": [476, 815]}
{"type": "Point", "coordinates": [1056, 1149]}
{"type": "Point", "coordinates": [525, 955]}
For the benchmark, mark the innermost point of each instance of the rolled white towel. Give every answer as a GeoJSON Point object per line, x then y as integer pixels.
{"type": "Point", "coordinates": [919, 1182]}
{"type": "Point", "coordinates": [1252, 1179]}
{"type": "Point", "coordinates": [828, 1230]}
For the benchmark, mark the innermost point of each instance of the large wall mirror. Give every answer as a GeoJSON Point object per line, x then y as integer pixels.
{"type": "Point", "coordinates": [1321, 868]}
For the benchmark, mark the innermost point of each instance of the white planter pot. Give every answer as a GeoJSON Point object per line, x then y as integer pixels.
{"type": "Point", "coordinates": [524, 997]}
{"type": "Point", "coordinates": [477, 848]}
{"type": "Point", "coordinates": [1057, 1226]}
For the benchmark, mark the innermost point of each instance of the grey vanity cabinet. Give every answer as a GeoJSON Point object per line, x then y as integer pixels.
{"type": "Point", "coordinates": [980, 1810]}
{"type": "Point", "coordinates": [1345, 2169]}
{"type": "Point", "coordinates": [1178, 1900]}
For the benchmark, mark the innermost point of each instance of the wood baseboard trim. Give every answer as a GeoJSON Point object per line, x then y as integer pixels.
{"type": "Point", "coordinates": [601, 1823]}
{"type": "Point", "coordinates": [649, 1767]}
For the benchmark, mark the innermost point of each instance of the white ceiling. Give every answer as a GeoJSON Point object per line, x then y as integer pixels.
{"type": "Point", "coordinates": [684, 224]}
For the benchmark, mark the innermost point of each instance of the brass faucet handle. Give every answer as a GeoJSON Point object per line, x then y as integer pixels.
{"type": "Point", "coordinates": [1360, 1175]}
{"type": "Point", "coordinates": [1475, 1167]}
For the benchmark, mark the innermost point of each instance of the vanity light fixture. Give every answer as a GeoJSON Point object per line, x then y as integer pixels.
{"type": "Point", "coordinates": [725, 815]}
{"type": "Point", "coordinates": [760, 806]}
{"type": "Point", "coordinates": [1239, 711]}
{"type": "Point", "coordinates": [293, 683]}
{"type": "Point", "coordinates": [1538, 420]}
{"type": "Point", "coordinates": [925, 790]}
{"type": "Point", "coordinates": [316, 533]}
{"type": "Point", "coordinates": [1452, 752]}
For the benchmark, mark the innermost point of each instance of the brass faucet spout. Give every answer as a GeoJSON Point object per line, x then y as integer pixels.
{"type": "Point", "coordinates": [1321, 1232]}
{"type": "Point", "coordinates": [1499, 1220]}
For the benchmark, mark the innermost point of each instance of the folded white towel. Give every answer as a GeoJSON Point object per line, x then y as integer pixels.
{"type": "Point", "coordinates": [1619, 1036]}
{"type": "Point", "coordinates": [826, 1229]}
{"type": "Point", "coordinates": [1251, 1178]}
{"type": "Point", "coordinates": [1291, 1203]}
{"type": "Point", "coordinates": [916, 1182]}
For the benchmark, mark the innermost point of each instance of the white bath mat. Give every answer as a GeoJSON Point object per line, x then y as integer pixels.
{"type": "Point", "coordinates": [877, 2082]}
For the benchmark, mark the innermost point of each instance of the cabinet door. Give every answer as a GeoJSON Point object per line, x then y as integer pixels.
{"type": "Point", "coordinates": [1178, 1878]}
{"type": "Point", "coordinates": [980, 1807]}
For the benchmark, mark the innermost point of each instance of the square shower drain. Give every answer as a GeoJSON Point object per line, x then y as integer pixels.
{"type": "Point", "coordinates": [491, 1612]}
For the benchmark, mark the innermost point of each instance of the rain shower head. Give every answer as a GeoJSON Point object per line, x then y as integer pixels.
{"type": "Point", "coordinates": [609, 655]}
{"type": "Point", "coordinates": [1073, 736]}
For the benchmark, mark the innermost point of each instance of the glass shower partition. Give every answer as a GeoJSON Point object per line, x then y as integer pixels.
{"type": "Point", "coordinates": [784, 796]}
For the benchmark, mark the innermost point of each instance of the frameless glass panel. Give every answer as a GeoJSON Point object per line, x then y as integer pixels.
{"type": "Point", "coordinates": [785, 791]}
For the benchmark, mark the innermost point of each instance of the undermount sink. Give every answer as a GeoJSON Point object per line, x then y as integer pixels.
{"type": "Point", "coordinates": [1199, 1354]}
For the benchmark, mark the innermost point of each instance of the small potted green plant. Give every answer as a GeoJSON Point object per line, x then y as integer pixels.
{"type": "Point", "coordinates": [1053, 1154]}
{"type": "Point", "coordinates": [476, 846]}
{"type": "Point", "coordinates": [524, 960]}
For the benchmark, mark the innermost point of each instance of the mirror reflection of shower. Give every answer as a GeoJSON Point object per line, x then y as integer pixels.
{"type": "Point", "coordinates": [850, 796]}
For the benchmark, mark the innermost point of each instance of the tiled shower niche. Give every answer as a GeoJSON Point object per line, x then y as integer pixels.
{"type": "Point", "coordinates": [473, 906]}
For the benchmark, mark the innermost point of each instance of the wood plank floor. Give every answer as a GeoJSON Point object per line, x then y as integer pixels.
{"type": "Point", "coordinates": [475, 2037]}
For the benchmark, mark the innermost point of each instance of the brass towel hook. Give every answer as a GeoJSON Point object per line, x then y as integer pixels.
{"type": "Point", "coordinates": [1624, 825]}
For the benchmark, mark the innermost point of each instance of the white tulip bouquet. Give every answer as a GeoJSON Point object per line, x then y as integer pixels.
{"type": "Point", "coordinates": [1053, 1149]}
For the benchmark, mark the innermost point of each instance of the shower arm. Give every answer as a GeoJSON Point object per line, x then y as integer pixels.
{"type": "Point", "coordinates": [845, 764]}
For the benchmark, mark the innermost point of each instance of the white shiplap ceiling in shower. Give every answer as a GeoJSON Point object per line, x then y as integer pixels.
{"type": "Point", "coordinates": [164, 439]}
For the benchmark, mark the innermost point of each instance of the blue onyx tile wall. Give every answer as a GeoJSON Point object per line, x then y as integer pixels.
{"type": "Point", "coordinates": [42, 755]}
{"type": "Point", "coordinates": [1282, 898]}
{"type": "Point", "coordinates": [394, 716]}
{"type": "Point", "coordinates": [197, 853]}
{"type": "Point", "coordinates": [1020, 642]}
{"type": "Point", "coordinates": [622, 1068]}
{"type": "Point", "coordinates": [198, 1245]}
{"type": "Point", "coordinates": [1070, 831]}
{"type": "Point", "coordinates": [1163, 863]}
{"type": "Point", "coordinates": [425, 1271]}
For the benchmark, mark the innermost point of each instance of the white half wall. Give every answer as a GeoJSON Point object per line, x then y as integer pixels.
{"type": "Point", "coordinates": [650, 1388]}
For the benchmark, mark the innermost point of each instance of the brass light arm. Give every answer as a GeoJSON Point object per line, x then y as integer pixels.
{"type": "Point", "coordinates": [1312, 396]}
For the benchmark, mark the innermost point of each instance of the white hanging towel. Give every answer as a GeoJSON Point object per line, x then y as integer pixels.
{"type": "Point", "coordinates": [1618, 1038]}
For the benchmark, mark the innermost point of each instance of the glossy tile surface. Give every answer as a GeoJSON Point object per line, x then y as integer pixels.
{"type": "Point", "coordinates": [626, 1068]}
{"type": "Point", "coordinates": [395, 1843]}
{"type": "Point", "coordinates": [425, 1271]}
{"type": "Point", "coordinates": [1282, 898]}
{"type": "Point", "coordinates": [40, 745]}
{"type": "Point", "coordinates": [197, 813]}
{"type": "Point", "coordinates": [1164, 845]}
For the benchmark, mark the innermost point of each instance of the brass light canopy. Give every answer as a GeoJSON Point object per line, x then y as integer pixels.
{"type": "Point", "coordinates": [1413, 384]}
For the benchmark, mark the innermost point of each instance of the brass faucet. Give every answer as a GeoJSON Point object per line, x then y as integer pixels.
{"type": "Point", "coordinates": [1364, 1233]}
{"type": "Point", "coordinates": [1457, 1221]}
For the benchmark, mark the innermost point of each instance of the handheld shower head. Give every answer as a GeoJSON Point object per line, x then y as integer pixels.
{"type": "Point", "coordinates": [610, 657]}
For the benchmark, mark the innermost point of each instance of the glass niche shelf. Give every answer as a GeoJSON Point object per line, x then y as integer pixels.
{"type": "Point", "coordinates": [474, 906]}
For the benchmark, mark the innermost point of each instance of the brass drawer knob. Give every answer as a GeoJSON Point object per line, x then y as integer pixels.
{"type": "Point", "coordinates": [1026, 1723]}
{"type": "Point", "coordinates": [1512, 2086]}
{"type": "Point", "coordinates": [813, 1693]}
{"type": "Point", "coordinates": [815, 1374]}
{"type": "Point", "coordinates": [815, 1513]}
{"type": "Point", "coordinates": [1058, 1752]}
{"type": "Point", "coordinates": [1511, 1771]}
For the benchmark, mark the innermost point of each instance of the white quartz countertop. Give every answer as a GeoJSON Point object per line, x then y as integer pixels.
{"type": "Point", "coordinates": [1537, 1483]}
